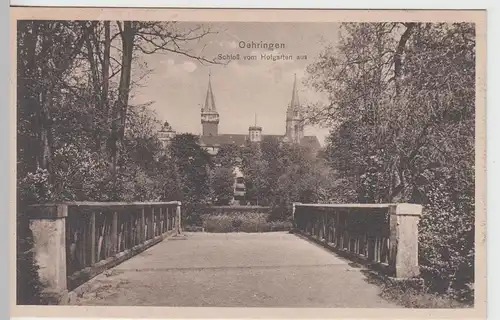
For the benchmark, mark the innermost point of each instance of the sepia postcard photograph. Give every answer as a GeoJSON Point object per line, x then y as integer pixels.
{"type": "Point", "coordinates": [248, 163]}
